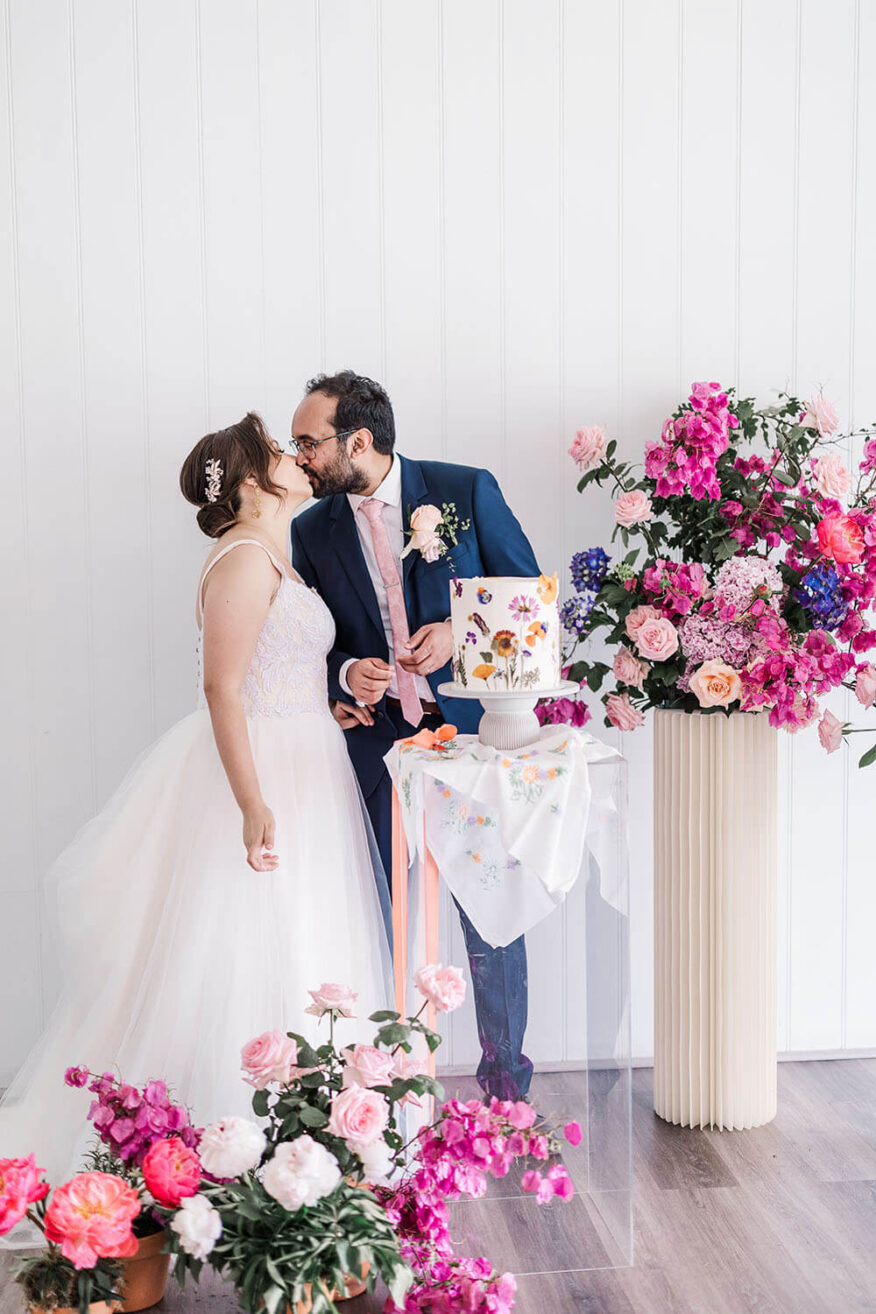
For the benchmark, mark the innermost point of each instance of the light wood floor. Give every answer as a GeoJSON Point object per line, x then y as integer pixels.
{"type": "Point", "coordinates": [781, 1220]}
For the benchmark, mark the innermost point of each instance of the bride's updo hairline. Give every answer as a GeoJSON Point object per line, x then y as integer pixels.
{"type": "Point", "coordinates": [242, 451]}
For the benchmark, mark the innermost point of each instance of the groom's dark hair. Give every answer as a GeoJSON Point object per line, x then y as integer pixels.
{"type": "Point", "coordinates": [362, 404]}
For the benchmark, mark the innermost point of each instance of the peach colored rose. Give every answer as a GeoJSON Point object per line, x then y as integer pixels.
{"type": "Point", "coordinates": [621, 712]}
{"type": "Point", "coordinates": [332, 998]}
{"type": "Point", "coordinates": [171, 1171]}
{"type": "Point", "coordinates": [367, 1066]}
{"type": "Point", "coordinates": [820, 415]}
{"type": "Point", "coordinates": [632, 508]}
{"type": "Point", "coordinates": [716, 684]}
{"type": "Point", "coordinates": [424, 533]}
{"type": "Point", "coordinates": [442, 986]}
{"type": "Point", "coordinates": [865, 685]}
{"type": "Point", "coordinates": [19, 1187]}
{"type": "Point", "coordinates": [637, 618]}
{"type": "Point", "coordinates": [657, 639]}
{"type": "Point", "coordinates": [90, 1218]}
{"type": "Point", "coordinates": [588, 447]}
{"type": "Point", "coordinates": [841, 539]}
{"type": "Point", "coordinates": [358, 1115]}
{"type": "Point", "coordinates": [830, 732]}
{"type": "Point", "coordinates": [628, 669]}
{"type": "Point", "coordinates": [832, 479]}
{"type": "Point", "coordinates": [269, 1057]}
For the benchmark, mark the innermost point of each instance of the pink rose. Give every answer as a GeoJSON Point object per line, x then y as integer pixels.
{"type": "Point", "coordinates": [628, 669]}
{"type": "Point", "coordinates": [270, 1057]}
{"type": "Point", "coordinates": [20, 1186]}
{"type": "Point", "coordinates": [621, 712]}
{"type": "Point", "coordinates": [865, 685]}
{"type": "Point", "coordinates": [406, 1067]}
{"type": "Point", "coordinates": [171, 1171]}
{"type": "Point", "coordinates": [637, 618]}
{"type": "Point", "coordinates": [367, 1066]}
{"type": "Point", "coordinates": [841, 539]}
{"type": "Point", "coordinates": [334, 998]}
{"type": "Point", "coordinates": [830, 732]}
{"type": "Point", "coordinates": [90, 1218]}
{"type": "Point", "coordinates": [588, 447]}
{"type": "Point", "coordinates": [424, 533]}
{"type": "Point", "coordinates": [716, 684]}
{"type": "Point", "coordinates": [657, 639]}
{"type": "Point", "coordinates": [358, 1115]}
{"type": "Point", "coordinates": [820, 415]}
{"type": "Point", "coordinates": [632, 508]}
{"type": "Point", "coordinates": [442, 986]}
{"type": "Point", "coordinates": [832, 479]}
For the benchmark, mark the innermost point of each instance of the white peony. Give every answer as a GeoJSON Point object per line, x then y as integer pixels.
{"type": "Point", "coordinates": [198, 1226]}
{"type": "Point", "coordinates": [231, 1146]}
{"type": "Point", "coordinates": [300, 1173]}
{"type": "Point", "coordinates": [376, 1162]}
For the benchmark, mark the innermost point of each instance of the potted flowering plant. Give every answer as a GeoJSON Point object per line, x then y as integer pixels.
{"type": "Point", "coordinates": [87, 1224]}
{"type": "Point", "coordinates": [128, 1121]}
{"type": "Point", "coordinates": [300, 1212]}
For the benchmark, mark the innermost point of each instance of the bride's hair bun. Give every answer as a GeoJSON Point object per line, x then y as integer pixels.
{"type": "Point", "coordinates": [216, 467]}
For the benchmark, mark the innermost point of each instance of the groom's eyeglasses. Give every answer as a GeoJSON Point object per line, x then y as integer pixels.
{"type": "Point", "coordinates": [309, 445]}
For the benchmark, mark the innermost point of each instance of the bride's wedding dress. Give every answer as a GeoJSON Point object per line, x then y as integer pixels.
{"type": "Point", "coordinates": [174, 951]}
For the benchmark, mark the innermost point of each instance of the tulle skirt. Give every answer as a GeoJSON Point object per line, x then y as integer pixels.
{"type": "Point", "coordinates": [174, 953]}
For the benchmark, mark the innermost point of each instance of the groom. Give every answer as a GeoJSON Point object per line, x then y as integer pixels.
{"type": "Point", "coordinates": [393, 644]}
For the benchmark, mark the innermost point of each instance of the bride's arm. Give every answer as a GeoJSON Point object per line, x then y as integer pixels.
{"type": "Point", "coordinates": [238, 593]}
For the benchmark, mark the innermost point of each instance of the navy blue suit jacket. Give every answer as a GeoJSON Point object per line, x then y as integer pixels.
{"type": "Point", "coordinates": [327, 553]}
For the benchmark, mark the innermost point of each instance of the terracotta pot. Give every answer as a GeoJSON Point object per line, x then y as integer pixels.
{"type": "Point", "coordinates": [353, 1287]}
{"type": "Point", "coordinates": [146, 1273]}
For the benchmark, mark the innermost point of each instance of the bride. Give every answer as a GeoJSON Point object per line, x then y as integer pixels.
{"type": "Point", "coordinates": [234, 868]}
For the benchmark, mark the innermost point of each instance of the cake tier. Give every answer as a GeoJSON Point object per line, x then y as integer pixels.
{"type": "Point", "coordinates": [506, 633]}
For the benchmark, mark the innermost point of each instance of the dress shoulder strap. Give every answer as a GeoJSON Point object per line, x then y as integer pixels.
{"type": "Point", "coordinates": [229, 547]}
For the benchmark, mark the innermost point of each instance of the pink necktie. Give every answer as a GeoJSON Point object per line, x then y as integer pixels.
{"type": "Point", "coordinates": [398, 617]}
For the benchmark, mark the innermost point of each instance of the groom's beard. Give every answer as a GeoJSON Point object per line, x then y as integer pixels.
{"type": "Point", "coordinates": [341, 476]}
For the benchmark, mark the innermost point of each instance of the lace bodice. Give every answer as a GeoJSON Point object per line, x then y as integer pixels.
{"type": "Point", "coordinates": [287, 674]}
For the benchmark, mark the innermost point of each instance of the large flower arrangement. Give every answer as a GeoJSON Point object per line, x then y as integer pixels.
{"type": "Point", "coordinates": [752, 570]}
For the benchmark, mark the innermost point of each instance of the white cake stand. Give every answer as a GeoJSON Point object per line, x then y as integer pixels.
{"type": "Point", "coordinates": [509, 719]}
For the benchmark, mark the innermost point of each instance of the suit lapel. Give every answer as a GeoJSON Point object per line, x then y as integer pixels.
{"type": "Point", "coordinates": [344, 539]}
{"type": "Point", "coordinates": [414, 494]}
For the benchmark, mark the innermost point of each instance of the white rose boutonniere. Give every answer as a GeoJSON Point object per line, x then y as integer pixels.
{"type": "Point", "coordinates": [434, 532]}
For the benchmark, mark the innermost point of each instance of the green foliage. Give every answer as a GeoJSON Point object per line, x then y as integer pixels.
{"type": "Point", "coordinates": [50, 1280]}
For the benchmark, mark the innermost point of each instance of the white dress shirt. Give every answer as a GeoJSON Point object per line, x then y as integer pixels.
{"type": "Point", "coordinates": [390, 493]}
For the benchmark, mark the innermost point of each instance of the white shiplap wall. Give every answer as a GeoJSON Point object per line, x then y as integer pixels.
{"type": "Point", "coordinates": [523, 215]}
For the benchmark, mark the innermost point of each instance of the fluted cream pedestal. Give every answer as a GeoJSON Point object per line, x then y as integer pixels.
{"type": "Point", "coordinates": [715, 919]}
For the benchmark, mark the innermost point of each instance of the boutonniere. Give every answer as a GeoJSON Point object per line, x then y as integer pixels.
{"type": "Point", "coordinates": [433, 533]}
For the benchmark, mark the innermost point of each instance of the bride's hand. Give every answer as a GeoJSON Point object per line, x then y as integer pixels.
{"type": "Point", "coordinates": [258, 838]}
{"type": "Point", "coordinates": [347, 715]}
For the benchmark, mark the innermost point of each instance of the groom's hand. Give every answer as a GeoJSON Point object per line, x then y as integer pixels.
{"type": "Point", "coordinates": [431, 647]}
{"type": "Point", "coordinates": [369, 680]}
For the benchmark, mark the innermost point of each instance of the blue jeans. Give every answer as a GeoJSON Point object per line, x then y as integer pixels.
{"type": "Point", "coordinates": [498, 976]}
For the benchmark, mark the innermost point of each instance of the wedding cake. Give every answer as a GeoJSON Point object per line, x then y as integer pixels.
{"type": "Point", "coordinates": [506, 633]}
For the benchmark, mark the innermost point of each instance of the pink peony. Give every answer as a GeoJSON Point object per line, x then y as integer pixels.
{"type": "Point", "coordinates": [637, 617]}
{"type": "Point", "coordinates": [841, 539]}
{"type": "Point", "coordinates": [442, 986]}
{"type": "Point", "coordinates": [865, 684]}
{"type": "Point", "coordinates": [716, 684]}
{"type": "Point", "coordinates": [632, 508]}
{"type": "Point", "coordinates": [832, 479]}
{"type": "Point", "coordinates": [628, 669]}
{"type": "Point", "coordinates": [657, 639]}
{"type": "Point", "coordinates": [269, 1057]}
{"type": "Point", "coordinates": [621, 712]}
{"type": "Point", "coordinates": [359, 1116]}
{"type": "Point", "coordinates": [821, 415]}
{"type": "Point", "coordinates": [367, 1066]}
{"type": "Point", "coordinates": [19, 1187]}
{"type": "Point", "coordinates": [90, 1218]}
{"type": "Point", "coordinates": [334, 998]}
{"type": "Point", "coordinates": [830, 732]}
{"type": "Point", "coordinates": [171, 1171]}
{"type": "Point", "coordinates": [588, 447]}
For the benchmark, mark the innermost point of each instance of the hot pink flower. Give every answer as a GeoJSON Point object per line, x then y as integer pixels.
{"type": "Point", "coordinates": [332, 998]}
{"type": "Point", "coordinates": [622, 714]}
{"type": "Point", "coordinates": [90, 1218]}
{"type": "Point", "coordinates": [358, 1116]}
{"type": "Point", "coordinates": [269, 1057]}
{"type": "Point", "coordinates": [572, 1133]}
{"type": "Point", "coordinates": [636, 619]}
{"type": "Point", "coordinates": [841, 539]}
{"type": "Point", "coordinates": [628, 669]}
{"type": "Point", "coordinates": [657, 639]}
{"type": "Point", "coordinates": [830, 732]}
{"type": "Point", "coordinates": [588, 447]}
{"type": "Point", "coordinates": [821, 415]}
{"type": "Point", "coordinates": [19, 1187]}
{"type": "Point", "coordinates": [171, 1171]}
{"type": "Point", "coordinates": [832, 479]}
{"type": "Point", "coordinates": [561, 1182]}
{"type": "Point", "coordinates": [633, 508]}
{"type": "Point", "coordinates": [442, 986]}
{"type": "Point", "coordinates": [367, 1066]}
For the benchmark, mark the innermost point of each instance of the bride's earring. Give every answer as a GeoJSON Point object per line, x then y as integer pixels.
{"type": "Point", "coordinates": [257, 509]}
